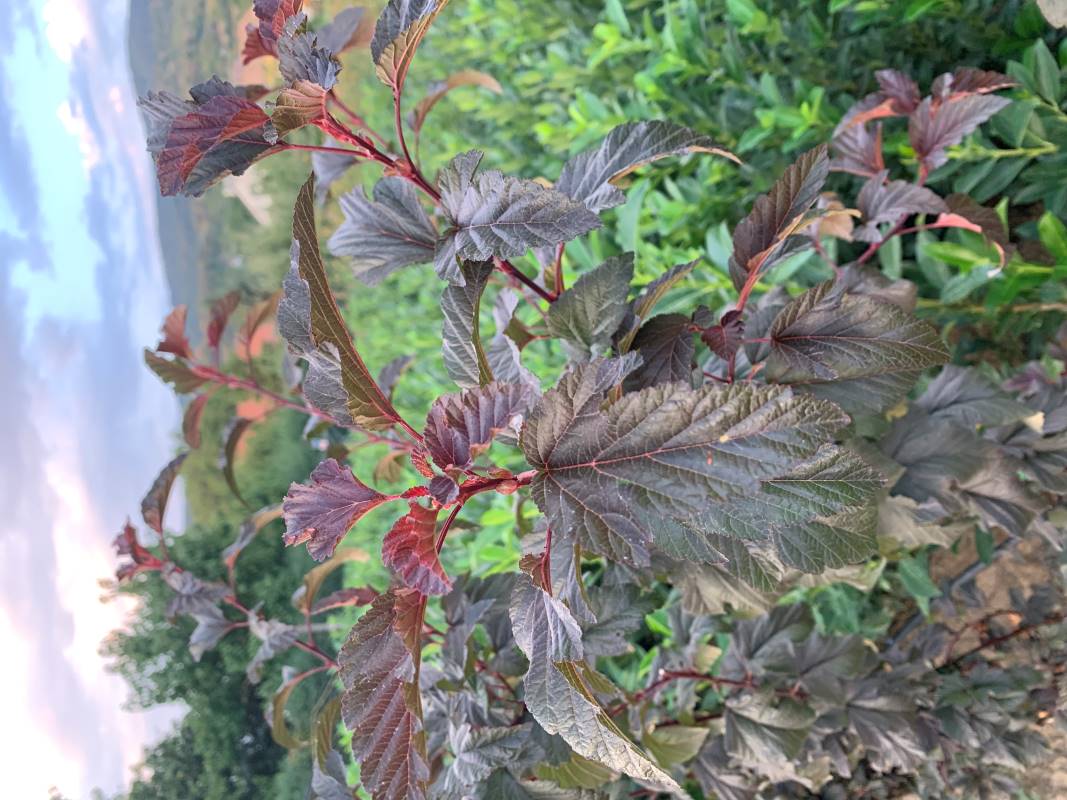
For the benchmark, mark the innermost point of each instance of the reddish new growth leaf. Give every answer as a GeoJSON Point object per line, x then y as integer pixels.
{"type": "Point", "coordinates": [724, 339]}
{"type": "Point", "coordinates": [262, 39]}
{"type": "Point", "coordinates": [142, 560]}
{"type": "Point", "coordinates": [409, 550]}
{"type": "Point", "coordinates": [174, 339]}
{"type": "Point", "coordinates": [154, 504]}
{"type": "Point", "coordinates": [322, 513]}
{"type": "Point", "coordinates": [220, 315]}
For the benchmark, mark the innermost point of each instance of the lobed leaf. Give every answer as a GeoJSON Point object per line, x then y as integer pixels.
{"type": "Point", "coordinates": [762, 237]}
{"type": "Point", "coordinates": [195, 144]}
{"type": "Point", "coordinates": [174, 340]}
{"type": "Point", "coordinates": [880, 202]}
{"type": "Point", "coordinates": [322, 513]}
{"type": "Point", "coordinates": [385, 234]}
{"type": "Point", "coordinates": [617, 477]}
{"type": "Point", "coordinates": [665, 345]}
{"type": "Point", "coordinates": [379, 666]}
{"type": "Point", "coordinates": [461, 426]}
{"type": "Point", "coordinates": [590, 177]}
{"type": "Point", "coordinates": [409, 550]}
{"type": "Point", "coordinates": [308, 317]}
{"type": "Point", "coordinates": [262, 38]}
{"type": "Point", "coordinates": [495, 215]}
{"type": "Point", "coordinates": [858, 151]}
{"type": "Point", "coordinates": [859, 352]}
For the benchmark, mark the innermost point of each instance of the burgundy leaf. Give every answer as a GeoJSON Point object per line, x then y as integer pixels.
{"type": "Point", "coordinates": [444, 490]}
{"type": "Point", "coordinates": [760, 238]}
{"type": "Point", "coordinates": [932, 130]}
{"type": "Point", "coordinates": [322, 513]}
{"type": "Point", "coordinates": [221, 310]}
{"type": "Point", "coordinates": [900, 89]}
{"type": "Point", "coordinates": [343, 598]}
{"type": "Point", "coordinates": [872, 107]}
{"type": "Point", "coordinates": [222, 136]}
{"type": "Point", "coordinates": [460, 426]}
{"type": "Point", "coordinates": [665, 344]}
{"type": "Point", "coordinates": [191, 419]}
{"type": "Point", "coordinates": [262, 39]}
{"type": "Point", "coordinates": [174, 339]}
{"type": "Point", "coordinates": [968, 80]}
{"type": "Point", "coordinates": [857, 151]}
{"type": "Point", "coordinates": [381, 705]}
{"type": "Point", "coordinates": [724, 339]}
{"type": "Point", "coordinates": [987, 220]}
{"type": "Point", "coordinates": [880, 202]}
{"type": "Point", "coordinates": [410, 551]}
{"type": "Point", "coordinates": [202, 92]}
{"type": "Point", "coordinates": [420, 459]}
{"type": "Point", "coordinates": [141, 559]}
{"type": "Point", "coordinates": [174, 371]}
{"type": "Point", "coordinates": [234, 431]}
{"type": "Point", "coordinates": [154, 504]}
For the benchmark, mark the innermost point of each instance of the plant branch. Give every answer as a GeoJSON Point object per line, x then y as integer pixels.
{"type": "Point", "coordinates": [356, 118]}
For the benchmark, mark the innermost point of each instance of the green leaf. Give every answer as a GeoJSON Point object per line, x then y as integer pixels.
{"type": "Point", "coordinates": [1053, 235]}
{"type": "Point", "coordinates": [1046, 72]}
{"type": "Point", "coordinates": [859, 352]}
{"type": "Point", "coordinates": [614, 477]}
{"type": "Point", "coordinates": [764, 236]}
{"type": "Point", "coordinates": [379, 666]}
{"type": "Point", "coordinates": [557, 693]}
{"type": "Point", "coordinates": [308, 317]}
{"type": "Point", "coordinates": [397, 34]}
{"type": "Point", "coordinates": [495, 215]}
{"type": "Point", "coordinates": [591, 177]}
{"type": "Point", "coordinates": [385, 234]}
{"type": "Point", "coordinates": [674, 744]}
{"type": "Point", "coordinates": [587, 315]}
{"type": "Point", "coordinates": [914, 574]}
{"type": "Point", "coordinates": [461, 343]}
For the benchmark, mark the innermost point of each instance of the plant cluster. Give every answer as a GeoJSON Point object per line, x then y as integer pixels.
{"type": "Point", "coordinates": [683, 471]}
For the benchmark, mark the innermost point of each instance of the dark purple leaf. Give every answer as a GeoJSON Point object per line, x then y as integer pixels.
{"type": "Point", "coordinates": [761, 237]}
{"type": "Point", "coordinates": [665, 344]}
{"type": "Point", "coordinates": [191, 419]}
{"type": "Point", "coordinates": [725, 338]}
{"type": "Point", "coordinates": [968, 80]}
{"type": "Point", "coordinates": [587, 314]}
{"type": "Point", "coordinates": [154, 504]}
{"type": "Point", "coordinates": [443, 489]}
{"type": "Point", "coordinates": [385, 234]}
{"type": "Point", "coordinates": [464, 355]}
{"type": "Point", "coordinates": [262, 39]}
{"type": "Point", "coordinates": [495, 215]}
{"type": "Point", "coordinates": [221, 310]}
{"type": "Point", "coordinates": [461, 426]}
{"type": "Point", "coordinates": [234, 431]}
{"type": "Point", "coordinates": [881, 202]}
{"type": "Point", "coordinates": [344, 598]}
{"type": "Point", "coordinates": [322, 513]}
{"type": "Point", "coordinates": [174, 339]}
{"type": "Point", "coordinates": [860, 353]}
{"type": "Point", "coordinates": [591, 177]}
{"type": "Point", "coordinates": [933, 129]}
{"type": "Point", "coordinates": [379, 669]}
{"type": "Point", "coordinates": [900, 89]}
{"type": "Point", "coordinates": [410, 551]}
{"type": "Point", "coordinates": [858, 151]}
{"type": "Point", "coordinates": [311, 323]}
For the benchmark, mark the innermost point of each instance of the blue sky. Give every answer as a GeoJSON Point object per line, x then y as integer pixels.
{"type": "Point", "coordinates": [83, 426]}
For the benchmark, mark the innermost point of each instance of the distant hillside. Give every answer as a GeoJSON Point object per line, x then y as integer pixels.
{"type": "Point", "coordinates": [173, 44]}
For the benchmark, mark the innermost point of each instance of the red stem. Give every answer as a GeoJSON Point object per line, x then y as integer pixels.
{"type": "Point", "coordinates": [448, 524]}
{"type": "Point", "coordinates": [356, 118]}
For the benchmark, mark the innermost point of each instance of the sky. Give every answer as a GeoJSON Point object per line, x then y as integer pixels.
{"type": "Point", "coordinates": [83, 425]}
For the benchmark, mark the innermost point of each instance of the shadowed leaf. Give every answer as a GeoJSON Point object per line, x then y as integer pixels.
{"type": "Point", "coordinates": [234, 431]}
{"type": "Point", "coordinates": [262, 38]}
{"type": "Point", "coordinates": [397, 35]}
{"type": "Point", "coordinates": [465, 77]}
{"type": "Point", "coordinates": [154, 504]}
{"type": "Point", "coordinates": [385, 234]}
{"type": "Point", "coordinates": [191, 419]}
{"type": "Point", "coordinates": [880, 202]}
{"type": "Point", "coordinates": [464, 355]}
{"type": "Point", "coordinates": [174, 339]}
{"type": "Point", "coordinates": [931, 130]}
{"type": "Point", "coordinates": [461, 426]}
{"type": "Point", "coordinates": [587, 315]}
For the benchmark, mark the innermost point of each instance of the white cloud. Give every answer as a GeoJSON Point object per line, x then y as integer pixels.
{"type": "Point", "coordinates": [76, 125]}
{"type": "Point", "coordinates": [66, 25]}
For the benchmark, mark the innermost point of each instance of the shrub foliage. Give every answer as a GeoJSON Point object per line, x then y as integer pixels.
{"type": "Point", "coordinates": [687, 487]}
